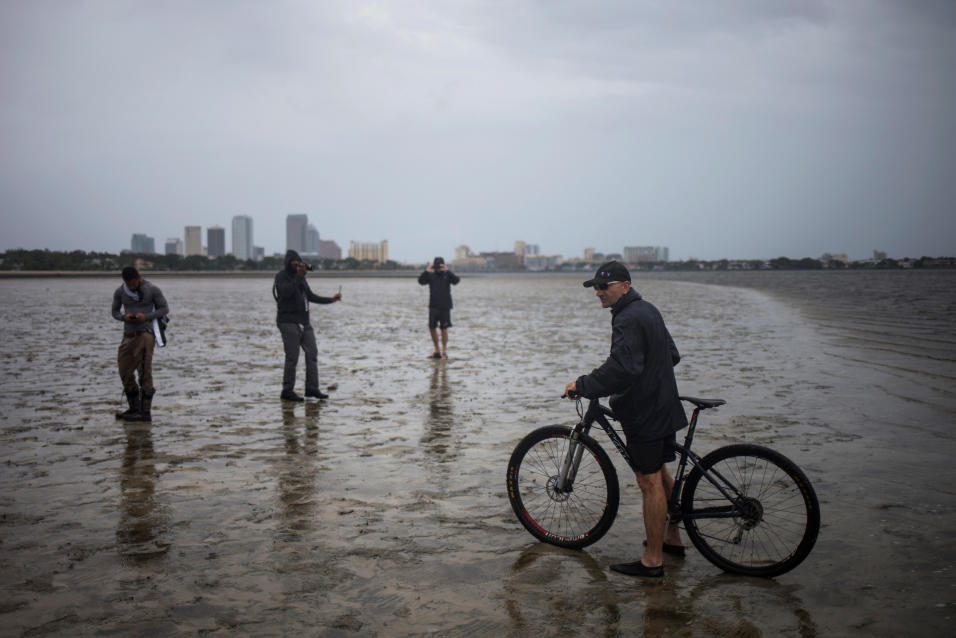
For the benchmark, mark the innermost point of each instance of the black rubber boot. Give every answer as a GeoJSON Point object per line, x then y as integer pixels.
{"type": "Point", "coordinates": [132, 397]}
{"type": "Point", "coordinates": [143, 415]}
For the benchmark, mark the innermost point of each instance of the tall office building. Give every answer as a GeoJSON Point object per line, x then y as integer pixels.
{"type": "Point", "coordinates": [174, 246]}
{"type": "Point", "coordinates": [369, 251]}
{"type": "Point", "coordinates": [193, 236]}
{"type": "Point", "coordinates": [295, 227]}
{"type": "Point", "coordinates": [242, 237]}
{"type": "Point", "coordinates": [312, 243]}
{"type": "Point", "coordinates": [142, 244]}
{"type": "Point", "coordinates": [215, 241]}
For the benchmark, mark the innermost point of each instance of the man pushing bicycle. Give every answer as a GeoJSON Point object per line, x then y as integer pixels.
{"type": "Point", "coordinates": [638, 375]}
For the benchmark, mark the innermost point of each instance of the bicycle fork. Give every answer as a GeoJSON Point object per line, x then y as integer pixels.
{"type": "Point", "coordinates": [571, 462]}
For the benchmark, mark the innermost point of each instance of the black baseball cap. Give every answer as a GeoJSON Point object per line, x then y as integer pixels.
{"type": "Point", "coordinates": [606, 273]}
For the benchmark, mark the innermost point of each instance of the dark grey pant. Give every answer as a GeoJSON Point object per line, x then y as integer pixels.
{"type": "Point", "coordinates": [293, 338]}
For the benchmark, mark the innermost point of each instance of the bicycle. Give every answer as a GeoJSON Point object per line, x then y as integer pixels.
{"type": "Point", "coordinates": [747, 509]}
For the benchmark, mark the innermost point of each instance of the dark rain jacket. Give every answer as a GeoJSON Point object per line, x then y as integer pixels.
{"type": "Point", "coordinates": [292, 294]}
{"type": "Point", "coordinates": [439, 285]}
{"type": "Point", "coordinates": [639, 373]}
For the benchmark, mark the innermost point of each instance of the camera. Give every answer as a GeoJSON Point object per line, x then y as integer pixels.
{"type": "Point", "coordinates": [309, 267]}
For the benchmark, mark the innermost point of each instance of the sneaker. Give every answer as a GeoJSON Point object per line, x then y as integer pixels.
{"type": "Point", "coordinates": [290, 396]}
{"type": "Point", "coordinates": [316, 394]}
{"type": "Point", "coordinates": [637, 568]}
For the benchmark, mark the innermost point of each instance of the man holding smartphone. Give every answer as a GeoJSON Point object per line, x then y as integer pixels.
{"type": "Point", "coordinates": [439, 281]}
{"type": "Point", "coordinates": [136, 303]}
{"type": "Point", "coordinates": [292, 295]}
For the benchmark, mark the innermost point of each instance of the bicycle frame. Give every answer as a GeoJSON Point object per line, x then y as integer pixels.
{"type": "Point", "coordinates": [597, 413]}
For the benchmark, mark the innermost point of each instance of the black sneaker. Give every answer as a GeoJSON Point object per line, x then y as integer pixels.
{"type": "Point", "coordinates": [637, 568]}
{"type": "Point", "coordinates": [316, 394]}
{"type": "Point", "coordinates": [290, 396]}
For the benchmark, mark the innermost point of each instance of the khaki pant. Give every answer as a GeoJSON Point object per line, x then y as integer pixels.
{"type": "Point", "coordinates": [136, 353]}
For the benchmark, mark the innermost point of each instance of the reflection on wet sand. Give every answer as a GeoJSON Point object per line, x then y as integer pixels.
{"type": "Point", "coordinates": [549, 588]}
{"type": "Point", "coordinates": [142, 530]}
{"type": "Point", "coordinates": [297, 472]}
{"type": "Point", "coordinates": [437, 439]}
{"type": "Point", "coordinates": [383, 511]}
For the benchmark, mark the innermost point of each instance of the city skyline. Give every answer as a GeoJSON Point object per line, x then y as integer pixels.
{"type": "Point", "coordinates": [722, 130]}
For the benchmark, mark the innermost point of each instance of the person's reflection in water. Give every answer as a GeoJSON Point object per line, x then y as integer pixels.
{"type": "Point", "coordinates": [437, 440]}
{"type": "Point", "coordinates": [553, 587]}
{"type": "Point", "coordinates": [143, 522]}
{"type": "Point", "coordinates": [297, 470]}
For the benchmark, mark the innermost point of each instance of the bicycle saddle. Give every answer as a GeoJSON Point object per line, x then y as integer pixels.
{"type": "Point", "coordinates": [703, 404]}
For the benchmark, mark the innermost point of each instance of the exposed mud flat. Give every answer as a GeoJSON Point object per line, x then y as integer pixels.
{"type": "Point", "coordinates": [383, 510]}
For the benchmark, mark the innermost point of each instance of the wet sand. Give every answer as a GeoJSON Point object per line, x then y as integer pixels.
{"type": "Point", "coordinates": [383, 511]}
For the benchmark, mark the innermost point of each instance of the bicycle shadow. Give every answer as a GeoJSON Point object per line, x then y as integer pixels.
{"type": "Point", "coordinates": [551, 590]}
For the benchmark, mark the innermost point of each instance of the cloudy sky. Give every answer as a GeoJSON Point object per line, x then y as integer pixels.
{"type": "Point", "coordinates": [738, 129]}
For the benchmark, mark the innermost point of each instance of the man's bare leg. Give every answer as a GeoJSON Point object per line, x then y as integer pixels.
{"type": "Point", "coordinates": [672, 534]}
{"type": "Point", "coordinates": [434, 334]}
{"type": "Point", "coordinates": [655, 516]}
{"type": "Point", "coordinates": [444, 343]}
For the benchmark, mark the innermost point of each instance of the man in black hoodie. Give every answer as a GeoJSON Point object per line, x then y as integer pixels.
{"type": "Point", "coordinates": [439, 281]}
{"type": "Point", "coordinates": [639, 377]}
{"type": "Point", "coordinates": [292, 295]}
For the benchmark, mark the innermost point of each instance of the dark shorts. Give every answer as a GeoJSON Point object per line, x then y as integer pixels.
{"type": "Point", "coordinates": [439, 318]}
{"type": "Point", "coordinates": [650, 456]}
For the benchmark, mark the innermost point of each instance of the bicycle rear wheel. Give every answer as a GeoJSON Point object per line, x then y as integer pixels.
{"type": "Point", "coordinates": [574, 517]}
{"type": "Point", "coordinates": [778, 521]}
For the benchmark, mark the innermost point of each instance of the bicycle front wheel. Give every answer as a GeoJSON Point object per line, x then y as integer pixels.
{"type": "Point", "coordinates": [576, 516]}
{"type": "Point", "coordinates": [770, 531]}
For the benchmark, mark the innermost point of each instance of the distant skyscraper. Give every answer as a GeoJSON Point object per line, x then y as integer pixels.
{"type": "Point", "coordinates": [193, 235]}
{"type": "Point", "coordinates": [242, 237]}
{"type": "Point", "coordinates": [311, 240]}
{"type": "Point", "coordinates": [519, 247]}
{"type": "Point", "coordinates": [142, 244]}
{"type": "Point", "coordinates": [588, 254]}
{"type": "Point", "coordinates": [174, 246]}
{"type": "Point", "coordinates": [258, 253]}
{"type": "Point", "coordinates": [215, 241]}
{"type": "Point", "coordinates": [295, 226]}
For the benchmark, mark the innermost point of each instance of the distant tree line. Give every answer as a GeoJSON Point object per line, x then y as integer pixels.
{"type": "Point", "coordinates": [81, 261]}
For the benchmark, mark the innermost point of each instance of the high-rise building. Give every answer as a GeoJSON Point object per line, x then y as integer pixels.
{"type": "Point", "coordinates": [328, 249]}
{"type": "Point", "coordinates": [369, 251]}
{"type": "Point", "coordinates": [215, 241]}
{"type": "Point", "coordinates": [258, 253]}
{"type": "Point", "coordinates": [193, 236]}
{"type": "Point", "coordinates": [463, 252]}
{"type": "Point", "coordinates": [295, 227]}
{"type": "Point", "coordinates": [174, 246]}
{"type": "Point", "coordinates": [311, 241]}
{"type": "Point", "coordinates": [142, 244]}
{"type": "Point", "coordinates": [639, 254]}
{"type": "Point", "coordinates": [588, 254]}
{"type": "Point", "coordinates": [242, 237]}
{"type": "Point", "coordinates": [519, 248]}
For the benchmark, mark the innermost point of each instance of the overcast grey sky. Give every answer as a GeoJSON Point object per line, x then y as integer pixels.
{"type": "Point", "coordinates": [738, 129]}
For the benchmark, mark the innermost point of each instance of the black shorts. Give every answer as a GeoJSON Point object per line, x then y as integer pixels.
{"type": "Point", "coordinates": [650, 456]}
{"type": "Point", "coordinates": [439, 318]}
